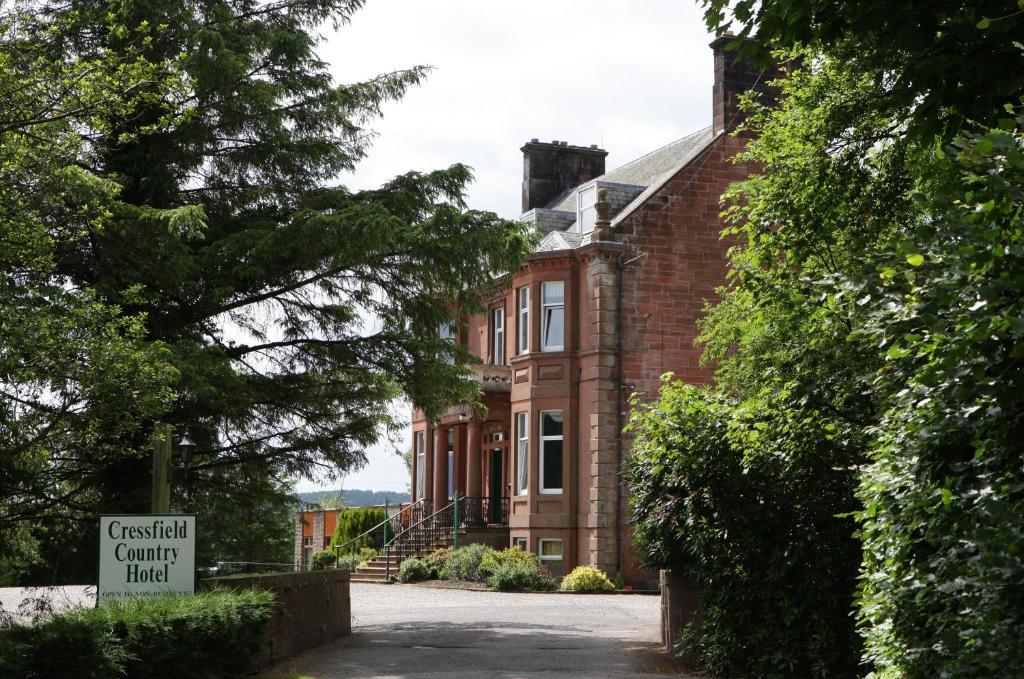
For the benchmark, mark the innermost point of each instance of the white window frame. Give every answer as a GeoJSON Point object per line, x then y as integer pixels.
{"type": "Point", "coordinates": [548, 558]}
{"type": "Point", "coordinates": [419, 443]}
{"type": "Point", "coordinates": [543, 489]}
{"type": "Point", "coordinates": [521, 543]}
{"type": "Point", "coordinates": [544, 308]}
{"type": "Point", "coordinates": [498, 336]}
{"type": "Point", "coordinates": [523, 315]}
{"type": "Point", "coordinates": [522, 453]}
{"type": "Point", "coordinates": [451, 464]}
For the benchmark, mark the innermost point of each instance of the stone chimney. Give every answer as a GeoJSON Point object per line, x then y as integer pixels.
{"type": "Point", "coordinates": [733, 77]}
{"type": "Point", "coordinates": [551, 168]}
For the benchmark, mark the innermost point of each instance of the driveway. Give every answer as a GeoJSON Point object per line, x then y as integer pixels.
{"type": "Point", "coordinates": [416, 631]}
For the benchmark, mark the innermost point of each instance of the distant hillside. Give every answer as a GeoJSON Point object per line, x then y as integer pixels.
{"type": "Point", "coordinates": [353, 498]}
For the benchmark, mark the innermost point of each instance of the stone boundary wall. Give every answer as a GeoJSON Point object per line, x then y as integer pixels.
{"type": "Point", "coordinates": [312, 609]}
{"type": "Point", "coordinates": [679, 607]}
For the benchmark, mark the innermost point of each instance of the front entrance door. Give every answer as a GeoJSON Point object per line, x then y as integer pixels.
{"type": "Point", "coordinates": [495, 447]}
{"type": "Point", "coordinates": [497, 455]}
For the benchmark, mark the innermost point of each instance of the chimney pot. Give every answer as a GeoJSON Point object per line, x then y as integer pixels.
{"type": "Point", "coordinates": [733, 77]}
{"type": "Point", "coordinates": [550, 169]}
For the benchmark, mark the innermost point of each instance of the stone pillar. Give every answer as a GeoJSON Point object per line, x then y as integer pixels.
{"type": "Point", "coordinates": [299, 523]}
{"type": "Point", "coordinates": [473, 454]}
{"type": "Point", "coordinates": [603, 424]}
{"type": "Point", "coordinates": [440, 467]}
{"type": "Point", "coordinates": [318, 530]}
{"type": "Point", "coordinates": [428, 464]}
{"type": "Point", "coordinates": [460, 460]}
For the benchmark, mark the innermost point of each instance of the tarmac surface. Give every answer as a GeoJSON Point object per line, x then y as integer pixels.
{"type": "Point", "coordinates": [403, 631]}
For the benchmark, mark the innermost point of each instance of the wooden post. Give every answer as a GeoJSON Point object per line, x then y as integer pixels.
{"type": "Point", "coordinates": [161, 495]}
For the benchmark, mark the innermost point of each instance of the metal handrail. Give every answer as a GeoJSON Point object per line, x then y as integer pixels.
{"type": "Point", "coordinates": [388, 521]}
{"type": "Point", "coordinates": [397, 543]}
{"type": "Point", "coordinates": [462, 511]}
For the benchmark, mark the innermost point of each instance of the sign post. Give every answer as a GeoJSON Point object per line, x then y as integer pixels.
{"type": "Point", "coordinates": [146, 555]}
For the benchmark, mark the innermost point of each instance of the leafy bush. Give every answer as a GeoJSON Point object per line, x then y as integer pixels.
{"type": "Point", "coordinates": [436, 560]}
{"type": "Point", "coordinates": [586, 579]}
{"type": "Point", "coordinates": [322, 559]}
{"type": "Point", "coordinates": [464, 563]}
{"type": "Point", "coordinates": [492, 560]}
{"type": "Point", "coordinates": [517, 575]}
{"type": "Point", "coordinates": [208, 635]}
{"type": "Point", "coordinates": [355, 521]}
{"type": "Point", "coordinates": [755, 509]}
{"type": "Point", "coordinates": [413, 570]}
{"type": "Point", "coordinates": [943, 519]}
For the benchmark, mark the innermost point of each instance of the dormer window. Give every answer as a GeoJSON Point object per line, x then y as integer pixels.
{"type": "Point", "coordinates": [586, 213]}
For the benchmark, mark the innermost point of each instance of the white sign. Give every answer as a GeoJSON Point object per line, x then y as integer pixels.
{"type": "Point", "coordinates": [144, 555]}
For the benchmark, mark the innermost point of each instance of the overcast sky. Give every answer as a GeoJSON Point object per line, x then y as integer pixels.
{"type": "Point", "coordinates": [629, 76]}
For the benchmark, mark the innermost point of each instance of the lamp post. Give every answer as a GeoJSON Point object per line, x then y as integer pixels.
{"type": "Point", "coordinates": [161, 494]}
{"type": "Point", "coordinates": [186, 448]}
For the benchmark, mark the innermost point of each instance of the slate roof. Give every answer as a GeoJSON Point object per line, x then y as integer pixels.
{"type": "Point", "coordinates": [651, 171]}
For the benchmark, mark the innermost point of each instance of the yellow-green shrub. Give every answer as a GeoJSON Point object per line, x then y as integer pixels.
{"type": "Point", "coordinates": [587, 579]}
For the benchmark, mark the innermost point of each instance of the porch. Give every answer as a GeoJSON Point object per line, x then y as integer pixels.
{"type": "Point", "coordinates": [468, 455]}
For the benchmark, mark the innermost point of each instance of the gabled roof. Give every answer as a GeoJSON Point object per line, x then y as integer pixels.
{"type": "Point", "coordinates": [650, 171]}
{"type": "Point", "coordinates": [561, 240]}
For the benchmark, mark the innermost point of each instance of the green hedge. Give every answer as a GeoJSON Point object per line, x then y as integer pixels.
{"type": "Point", "coordinates": [354, 522]}
{"type": "Point", "coordinates": [212, 634]}
{"type": "Point", "coordinates": [759, 515]}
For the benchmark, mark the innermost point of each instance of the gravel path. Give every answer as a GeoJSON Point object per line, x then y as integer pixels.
{"type": "Point", "coordinates": [412, 631]}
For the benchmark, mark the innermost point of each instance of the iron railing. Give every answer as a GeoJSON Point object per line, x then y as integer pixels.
{"type": "Point", "coordinates": [426, 533]}
{"type": "Point", "coordinates": [380, 535]}
{"type": "Point", "coordinates": [423, 534]}
{"type": "Point", "coordinates": [483, 511]}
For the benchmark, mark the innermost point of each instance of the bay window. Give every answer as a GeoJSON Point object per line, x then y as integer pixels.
{"type": "Point", "coordinates": [552, 314]}
{"type": "Point", "coordinates": [421, 458]}
{"type": "Point", "coordinates": [551, 451]}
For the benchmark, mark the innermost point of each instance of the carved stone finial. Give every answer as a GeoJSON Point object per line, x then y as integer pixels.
{"type": "Point", "coordinates": [603, 224]}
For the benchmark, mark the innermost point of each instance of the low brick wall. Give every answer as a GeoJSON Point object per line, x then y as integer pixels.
{"type": "Point", "coordinates": [312, 609]}
{"type": "Point", "coordinates": [679, 607]}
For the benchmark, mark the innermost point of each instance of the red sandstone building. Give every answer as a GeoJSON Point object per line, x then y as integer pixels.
{"type": "Point", "coordinates": [607, 304]}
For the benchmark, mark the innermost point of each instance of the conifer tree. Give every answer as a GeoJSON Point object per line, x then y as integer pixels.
{"type": "Point", "coordinates": [288, 310]}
